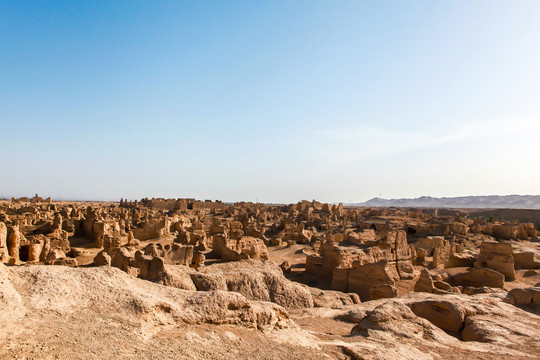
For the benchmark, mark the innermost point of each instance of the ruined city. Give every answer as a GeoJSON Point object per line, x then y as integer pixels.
{"type": "Point", "coordinates": [182, 278]}
{"type": "Point", "coordinates": [270, 180]}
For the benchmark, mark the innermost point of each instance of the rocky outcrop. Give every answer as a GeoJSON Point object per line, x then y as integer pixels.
{"type": "Point", "coordinates": [497, 256]}
{"type": "Point", "coordinates": [361, 278]}
{"type": "Point", "coordinates": [332, 299]}
{"type": "Point", "coordinates": [14, 243]}
{"type": "Point", "coordinates": [524, 296]}
{"type": "Point", "coordinates": [177, 276]}
{"type": "Point", "coordinates": [478, 277]}
{"type": "Point", "coordinates": [394, 317]}
{"type": "Point", "coordinates": [4, 253]}
{"type": "Point", "coordinates": [102, 259]}
{"type": "Point", "coordinates": [433, 284]}
{"type": "Point", "coordinates": [111, 293]}
{"type": "Point", "coordinates": [424, 282]}
{"type": "Point", "coordinates": [382, 291]}
{"type": "Point", "coordinates": [244, 248]}
{"type": "Point", "coordinates": [256, 280]}
{"type": "Point", "coordinates": [447, 315]}
{"type": "Point", "coordinates": [419, 318]}
{"type": "Point", "coordinates": [526, 260]}
{"type": "Point", "coordinates": [174, 254]}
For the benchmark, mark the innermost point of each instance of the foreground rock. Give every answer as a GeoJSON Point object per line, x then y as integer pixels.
{"type": "Point", "coordinates": [475, 327]}
{"type": "Point", "coordinates": [107, 290]}
{"type": "Point", "coordinates": [70, 313]}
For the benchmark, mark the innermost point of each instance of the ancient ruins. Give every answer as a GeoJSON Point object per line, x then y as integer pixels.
{"type": "Point", "coordinates": [305, 280]}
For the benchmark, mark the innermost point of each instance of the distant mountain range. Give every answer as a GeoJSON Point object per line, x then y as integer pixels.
{"type": "Point", "coordinates": [486, 202]}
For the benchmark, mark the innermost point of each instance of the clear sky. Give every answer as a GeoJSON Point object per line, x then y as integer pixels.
{"type": "Point", "coordinates": [274, 101]}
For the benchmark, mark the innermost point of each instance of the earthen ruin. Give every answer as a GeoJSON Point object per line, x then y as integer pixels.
{"type": "Point", "coordinates": [276, 267]}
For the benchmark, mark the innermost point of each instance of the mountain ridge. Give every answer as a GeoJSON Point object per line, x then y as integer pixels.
{"type": "Point", "coordinates": [485, 201]}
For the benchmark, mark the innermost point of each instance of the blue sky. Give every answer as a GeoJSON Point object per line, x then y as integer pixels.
{"type": "Point", "coordinates": [274, 101]}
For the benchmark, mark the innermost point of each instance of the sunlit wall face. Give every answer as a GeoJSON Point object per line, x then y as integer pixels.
{"type": "Point", "coordinates": [269, 101]}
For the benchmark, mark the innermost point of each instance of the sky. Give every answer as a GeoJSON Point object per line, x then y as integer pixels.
{"type": "Point", "coordinates": [269, 101]}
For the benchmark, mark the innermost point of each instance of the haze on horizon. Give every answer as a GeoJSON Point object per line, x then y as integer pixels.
{"type": "Point", "coordinates": [274, 101]}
